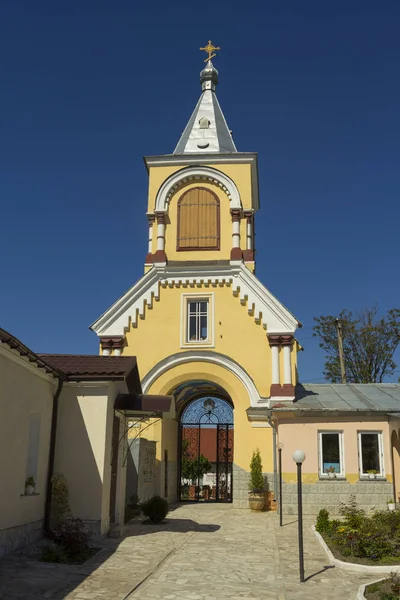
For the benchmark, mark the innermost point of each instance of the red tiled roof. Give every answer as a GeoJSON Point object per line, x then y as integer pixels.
{"type": "Point", "coordinates": [90, 364]}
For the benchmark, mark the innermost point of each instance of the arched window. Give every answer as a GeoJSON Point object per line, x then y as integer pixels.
{"type": "Point", "coordinates": [198, 220]}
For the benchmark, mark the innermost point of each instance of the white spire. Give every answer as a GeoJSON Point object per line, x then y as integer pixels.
{"type": "Point", "coordinates": [207, 130]}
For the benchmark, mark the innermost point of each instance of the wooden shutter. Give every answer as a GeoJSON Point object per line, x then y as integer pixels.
{"type": "Point", "coordinates": [198, 220]}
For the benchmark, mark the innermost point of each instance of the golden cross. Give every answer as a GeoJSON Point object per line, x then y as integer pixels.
{"type": "Point", "coordinates": [210, 49]}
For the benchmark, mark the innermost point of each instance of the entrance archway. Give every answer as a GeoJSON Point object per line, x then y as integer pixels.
{"type": "Point", "coordinates": [206, 437]}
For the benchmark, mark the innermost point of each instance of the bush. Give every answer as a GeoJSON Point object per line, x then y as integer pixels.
{"type": "Point", "coordinates": [323, 524]}
{"type": "Point", "coordinates": [256, 483]}
{"type": "Point", "coordinates": [155, 509]}
{"type": "Point", "coordinates": [73, 537]}
{"type": "Point", "coordinates": [54, 554]}
{"type": "Point", "coordinates": [374, 537]}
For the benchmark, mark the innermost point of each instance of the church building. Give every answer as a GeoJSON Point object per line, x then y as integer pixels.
{"type": "Point", "coordinates": [205, 329]}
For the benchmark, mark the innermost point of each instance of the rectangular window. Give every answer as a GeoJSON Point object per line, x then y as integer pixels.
{"type": "Point", "coordinates": [370, 449]}
{"type": "Point", "coordinates": [197, 321]}
{"type": "Point", "coordinates": [331, 462]}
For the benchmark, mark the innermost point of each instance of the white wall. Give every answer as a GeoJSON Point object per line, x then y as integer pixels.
{"type": "Point", "coordinates": [24, 391]}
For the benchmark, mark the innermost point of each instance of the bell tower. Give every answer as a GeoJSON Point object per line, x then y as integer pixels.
{"type": "Point", "coordinates": [203, 197]}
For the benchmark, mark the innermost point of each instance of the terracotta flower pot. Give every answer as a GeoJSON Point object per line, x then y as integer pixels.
{"type": "Point", "coordinates": [256, 500]}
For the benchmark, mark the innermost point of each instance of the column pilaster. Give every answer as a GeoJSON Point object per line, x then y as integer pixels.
{"type": "Point", "coordinates": [280, 389]}
{"type": "Point", "coordinates": [248, 254]}
{"type": "Point", "coordinates": [112, 345]}
{"type": "Point", "coordinates": [151, 219]}
{"type": "Point", "coordinates": [236, 253]}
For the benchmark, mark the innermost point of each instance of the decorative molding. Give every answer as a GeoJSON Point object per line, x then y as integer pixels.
{"type": "Point", "coordinates": [280, 340]}
{"type": "Point", "coordinates": [261, 304]}
{"type": "Point", "coordinates": [202, 356]}
{"type": "Point", "coordinates": [193, 174]}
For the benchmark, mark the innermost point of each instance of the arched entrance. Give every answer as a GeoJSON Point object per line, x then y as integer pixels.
{"type": "Point", "coordinates": [206, 437]}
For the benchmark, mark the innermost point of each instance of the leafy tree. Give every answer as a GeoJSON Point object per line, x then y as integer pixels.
{"type": "Point", "coordinates": [193, 467]}
{"type": "Point", "coordinates": [369, 344]}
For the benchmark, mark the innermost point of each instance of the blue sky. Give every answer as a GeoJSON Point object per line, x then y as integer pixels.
{"type": "Point", "coordinates": [89, 87]}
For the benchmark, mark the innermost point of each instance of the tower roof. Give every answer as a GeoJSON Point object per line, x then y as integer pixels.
{"type": "Point", "coordinates": [207, 131]}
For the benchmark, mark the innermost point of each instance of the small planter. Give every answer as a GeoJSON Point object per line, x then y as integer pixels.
{"type": "Point", "coordinates": [371, 475]}
{"type": "Point", "coordinates": [256, 500]}
{"type": "Point", "coordinates": [391, 506]}
{"type": "Point", "coordinates": [332, 475]}
{"type": "Point", "coordinates": [29, 490]}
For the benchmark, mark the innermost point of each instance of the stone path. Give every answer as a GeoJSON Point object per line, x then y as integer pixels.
{"type": "Point", "coordinates": [205, 552]}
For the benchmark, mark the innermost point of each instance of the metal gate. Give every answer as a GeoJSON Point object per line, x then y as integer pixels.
{"type": "Point", "coordinates": [206, 451]}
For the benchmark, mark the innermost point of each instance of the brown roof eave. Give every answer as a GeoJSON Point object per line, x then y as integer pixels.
{"type": "Point", "coordinates": [15, 344]}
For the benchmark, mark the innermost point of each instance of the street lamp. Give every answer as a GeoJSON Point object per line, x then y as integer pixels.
{"type": "Point", "coordinates": [280, 447]}
{"type": "Point", "coordinates": [299, 457]}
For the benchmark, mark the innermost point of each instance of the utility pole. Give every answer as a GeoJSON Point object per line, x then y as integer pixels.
{"type": "Point", "coordinates": [340, 346]}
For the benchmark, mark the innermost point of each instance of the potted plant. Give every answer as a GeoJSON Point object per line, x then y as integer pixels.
{"type": "Point", "coordinates": [256, 483]}
{"type": "Point", "coordinates": [330, 471]}
{"type": "Point", "coordinates": [371, 473]}
{"type": "Point", "coordinates": [391, 504]}
{"type": "Point", "coordinates": [30, 486]}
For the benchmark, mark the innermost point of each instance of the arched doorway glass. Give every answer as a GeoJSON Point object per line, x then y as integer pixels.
{"type": "Point", "coordinates": [206, 450]}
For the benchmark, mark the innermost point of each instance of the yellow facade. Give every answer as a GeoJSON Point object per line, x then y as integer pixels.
{"type": "Point", "coordinates": [235, 355]}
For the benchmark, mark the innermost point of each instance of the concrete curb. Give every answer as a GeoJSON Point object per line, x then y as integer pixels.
{"type": "Point", "coordinates": [340, 564]}
{"type": "Point", "coordinates": [361, 589]}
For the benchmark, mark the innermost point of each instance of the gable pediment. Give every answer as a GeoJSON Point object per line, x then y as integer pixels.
{"type": "Point", "coordinates": [261, 305]}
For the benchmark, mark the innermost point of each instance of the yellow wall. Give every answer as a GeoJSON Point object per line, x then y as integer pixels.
{"type": "Point", "coordinates": [236, 333]}
{"type": "Point", "coordinates": [83, 450]}
{"type": "Point", "coordinates": [24, 391]}
{"type": "Point", "coordinates": [246, 438]}
{"type": "Point", "coordinates": [240, 174]}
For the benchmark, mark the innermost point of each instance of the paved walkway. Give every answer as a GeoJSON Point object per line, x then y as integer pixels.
{"type": "Point", "coordinates": [205, 552]}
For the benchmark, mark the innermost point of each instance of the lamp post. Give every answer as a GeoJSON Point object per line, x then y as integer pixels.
{"type": "Point", "coordinates": [280, 446]}
{"type": "Point", "coordinates": [299, 457]}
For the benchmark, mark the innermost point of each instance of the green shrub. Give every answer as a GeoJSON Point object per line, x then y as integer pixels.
{"type": "Point", "coordinates": [256, 483]}
{"type": "Point", "coordinates": [73, 537]}
{"type": "Point", "coordinates": [323, 524]}
{"type": "Point", "coordinates": [353, 515]}
{"type": "Point", "coordinates": [155, 509]}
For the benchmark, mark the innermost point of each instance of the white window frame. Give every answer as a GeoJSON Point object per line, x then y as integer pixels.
{"type": "Point", "coordinates": [186, 299]}
{"type": "Point", "coordinates": [379, 433]}
{"type": "Point", "coordinates": [322, 474]}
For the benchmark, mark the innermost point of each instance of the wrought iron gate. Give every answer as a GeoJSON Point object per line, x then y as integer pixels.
{"type": "Point", "coordinates": [206, 451]}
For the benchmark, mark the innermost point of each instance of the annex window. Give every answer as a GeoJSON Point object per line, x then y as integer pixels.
{"type": "Point", "coordinates": [370, 451]}
{"type": "Point", "coordinates": [198, 220]}
{"type": "Point", "coordinates": [197, 321]}
{"type": "Point", "coordinates": [331, 462]}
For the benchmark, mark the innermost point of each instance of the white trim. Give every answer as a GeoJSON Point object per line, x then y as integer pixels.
{"type": "Point", "coordinates": [23, 361]}
{"type": "Point", "coordinates": [322, 474]}
{"type": "Point", "coordinates": [287, 365]}
{"type": "Point", "coordinates": [379, 433]}
{"type": "Point", "coordinates": [185, 298]}
{"type": "Point", "coordinates": [202, 356]}
{"type": "Point", "coordinates": [348, 566]}
{"type": "Point", "coordinates": [275, 365]}
{"type": "Point", "coordinates": [261, 304]}
{"type": "Point", "coordinates": [196, 173]}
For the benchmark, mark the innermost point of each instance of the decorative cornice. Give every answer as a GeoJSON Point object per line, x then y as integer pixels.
{"type": "Point", "coordinates": [261, 304]}
{"type": "Point", "coordinates": [280, 340]}
{"type": "Point", "coordinates": [109, 343]}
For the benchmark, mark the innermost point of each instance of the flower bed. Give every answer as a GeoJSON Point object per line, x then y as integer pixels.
{"type": "Point", "coordinates": [360, 538]}
{"type": "Point", "coordinates": [387, 589]}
